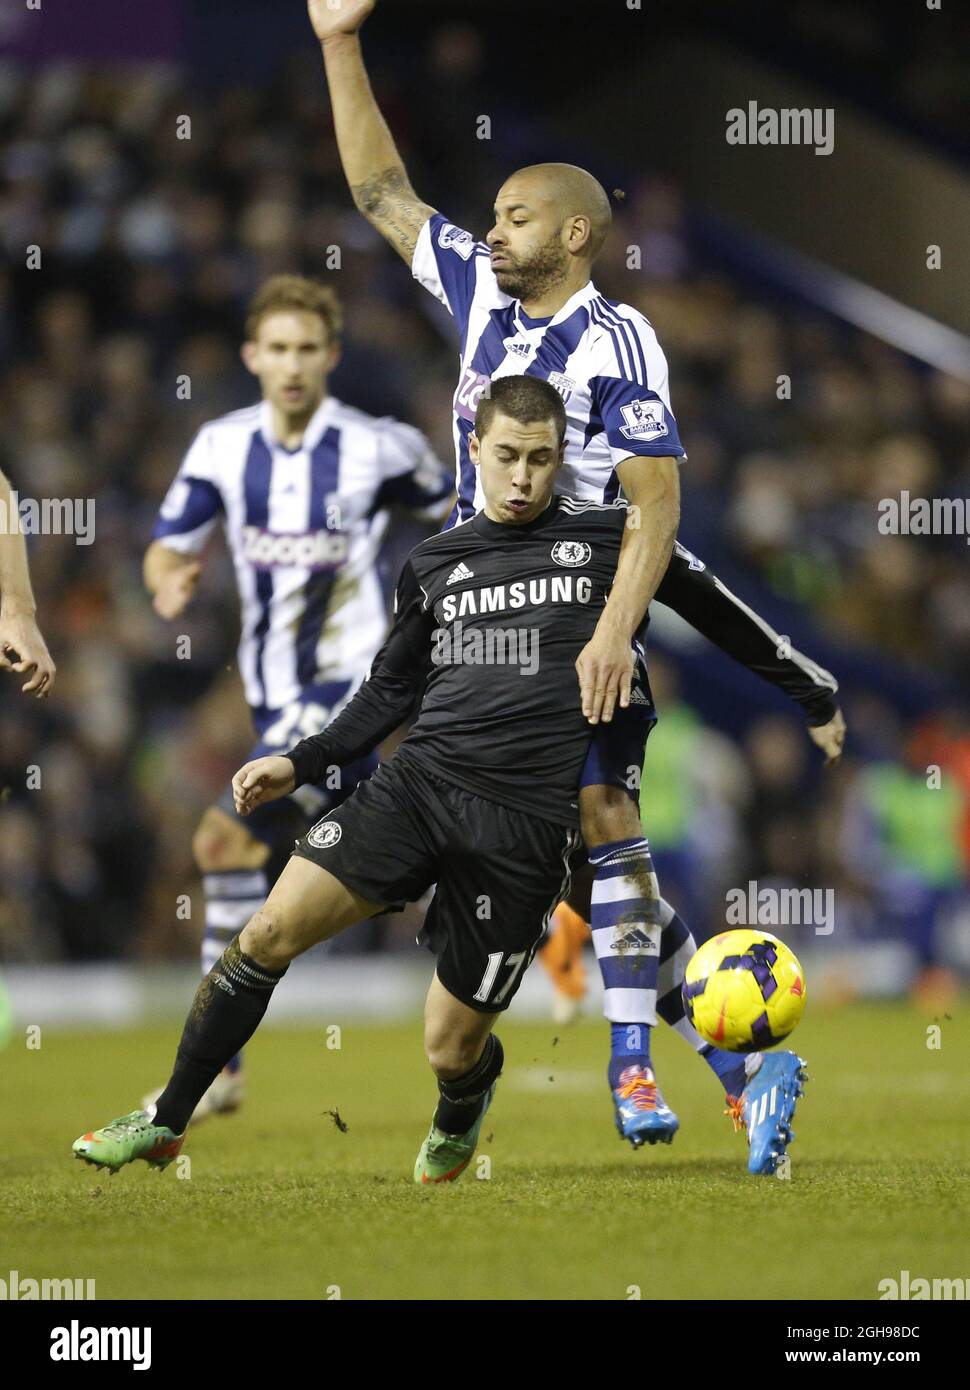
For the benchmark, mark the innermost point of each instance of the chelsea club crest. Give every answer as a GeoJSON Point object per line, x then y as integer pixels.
{"type": "Point", "coordinates": [324, 834]}
{"type": "Point", "coordinates": [571, 553]}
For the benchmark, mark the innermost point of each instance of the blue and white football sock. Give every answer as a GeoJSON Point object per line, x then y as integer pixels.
{"type": "Point", "coordinates": [624, 919]}
{"type": "Point", "coordinates": [231, 898]}
{"type": "Point", "coordinates": [676, 948]}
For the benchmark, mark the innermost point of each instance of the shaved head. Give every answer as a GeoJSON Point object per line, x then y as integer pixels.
{"type": "Point", "coordinates": [550, 223]}
{"type": "Point", "coordinates": [573, 192]}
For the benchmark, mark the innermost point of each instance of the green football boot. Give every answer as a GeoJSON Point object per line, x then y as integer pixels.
{"type": "Point", "coordinates": [444, 1157]}
{"type": "Point", "coordinates": [130, 1137]}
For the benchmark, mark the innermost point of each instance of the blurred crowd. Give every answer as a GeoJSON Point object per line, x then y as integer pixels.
{"type": "Point", "coordinates": [908, 62]}
{"type": "Point", "coordinates": [795, 428]}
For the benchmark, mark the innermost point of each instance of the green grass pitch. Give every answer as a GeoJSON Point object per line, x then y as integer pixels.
{"type": "Point", "coordinates": [281, 1204]}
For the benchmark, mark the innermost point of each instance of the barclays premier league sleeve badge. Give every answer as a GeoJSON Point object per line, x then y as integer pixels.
{"type": "Point", "coordinates": [644, 420]}
{"type": "Point", "coordinates": [452, 238]}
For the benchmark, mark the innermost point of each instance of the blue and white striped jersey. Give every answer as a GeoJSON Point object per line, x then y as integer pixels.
{"type": "Point", "coordinates": [602, 357]}
{"type": "Point", "coordinates": [304, 527]}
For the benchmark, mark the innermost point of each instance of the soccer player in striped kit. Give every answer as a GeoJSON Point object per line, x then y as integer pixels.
{"type": "Point", "coordinates": [301, 484]}
{"type": "Point", "coordinates": [524, 303]}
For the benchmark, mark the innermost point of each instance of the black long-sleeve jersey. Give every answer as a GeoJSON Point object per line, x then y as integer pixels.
{"type": "Point", "coordinates": [490, 620]}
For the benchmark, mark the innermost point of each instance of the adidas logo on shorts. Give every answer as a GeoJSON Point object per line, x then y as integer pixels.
{"type": "Point", "coordinates": [458, 573]}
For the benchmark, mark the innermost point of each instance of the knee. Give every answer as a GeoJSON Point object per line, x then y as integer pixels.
{"type": "Point", "coordinates": [266, 940]}
{"type": "Point", "coordinates": [450, 1054]}
{"type": "Point", "coordinates": [608, 814]}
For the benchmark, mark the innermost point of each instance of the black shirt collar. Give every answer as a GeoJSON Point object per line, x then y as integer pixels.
{"type": "Point", "coordinates": [511, 530]}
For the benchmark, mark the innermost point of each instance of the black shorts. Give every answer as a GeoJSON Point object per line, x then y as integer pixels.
{"type": "Point", "coordinates": [617, 749]}
{"type": "Point", "coordinates": [499, 872]}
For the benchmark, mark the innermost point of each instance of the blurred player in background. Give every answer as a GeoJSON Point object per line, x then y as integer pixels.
{"type": "Point", "coordinates": [524, 303]}
{"type": "Point", "coordinates": [301, 484]}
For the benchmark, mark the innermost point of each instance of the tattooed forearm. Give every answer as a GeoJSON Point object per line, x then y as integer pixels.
{"type": "Point", "coordinates": [388, 200]}
{"type": "Point", "coordinates": [372, 195]}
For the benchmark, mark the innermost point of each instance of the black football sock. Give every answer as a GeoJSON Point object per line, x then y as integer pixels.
{"type": "Point", "coordinates": [457, 1108]}
{"type": "Point", "coordinates": [228, 1008]}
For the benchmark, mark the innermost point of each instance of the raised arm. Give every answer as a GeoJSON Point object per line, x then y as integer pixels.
{"type": "Point", "coordinates": [690, 589]}
{"type": "Point", "coordinates": [378, 180]}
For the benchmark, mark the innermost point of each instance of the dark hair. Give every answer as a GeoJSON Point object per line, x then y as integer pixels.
{"type": "Point", "coordinates": [522, 398]}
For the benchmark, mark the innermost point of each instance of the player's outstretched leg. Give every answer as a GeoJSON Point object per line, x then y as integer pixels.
{"type": "Point", "coordinates": [761, 1092]}
{"type": "Point", "coordinates": [235, 882]}
{"type": "Point", "coordinates": [624, 917]}
{"type": "Point", "coordinates": [307, 905]}
{"type": "Point", "coordinates": [677, 946]}
{"type": "Point", "coordinates": [227, 1009]}
{"type": "Point", "coordinates": [467, 1060]}
{"type": "Point", "coordinates": [766, 1107]}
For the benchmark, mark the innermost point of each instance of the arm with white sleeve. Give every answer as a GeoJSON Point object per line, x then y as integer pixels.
{"type": "Point", "coordinates": [192, 508]}
{"type": "Point", "coordinates": [412, 476]}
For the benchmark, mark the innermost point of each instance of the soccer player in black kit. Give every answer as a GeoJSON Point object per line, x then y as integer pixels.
{"type": "Point", "coordinates": [480, 799]}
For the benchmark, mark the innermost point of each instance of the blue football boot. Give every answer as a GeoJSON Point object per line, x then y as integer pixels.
{"type": "Point", "coordinates": [766, 1107]}
{"type": "Point", "coordinates": [642, 1114]}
